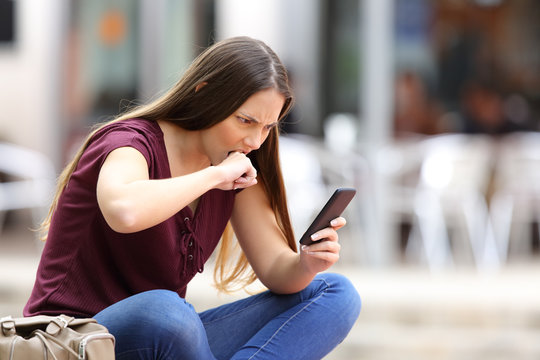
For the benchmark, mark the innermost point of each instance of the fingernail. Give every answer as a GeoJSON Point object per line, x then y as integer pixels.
{"type": "Point", "coordinates": [304, 247]}
{"type": "Point", "coordinates": [333, 222]}
{"type": "Point", "coordinates": [314, 236]}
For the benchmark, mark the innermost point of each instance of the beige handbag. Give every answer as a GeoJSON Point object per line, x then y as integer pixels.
{"type": "Point", "coordinates": [54, 338]}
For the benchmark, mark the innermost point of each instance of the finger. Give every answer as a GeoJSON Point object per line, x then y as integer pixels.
{"type": "Point", "coordinates": [327, 256]}
{"type": "Point", "coordinates": [325, 234]}
{"type": "Point", "coordinates": [244, 164]}
{"type": "Point", "coordinates": [324, 246]}
{"type": "Point", "coordinates": [251, 172]}
{"type": "Point", "coordinates": [242, 183]}
{"type": "Point", "coordinates": [241, 180]}
{"type": "Point", "coordinates": [338, 222]}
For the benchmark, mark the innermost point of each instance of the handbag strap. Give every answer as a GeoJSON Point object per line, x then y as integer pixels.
{"type": "Point", "coordinates": [54, 324]}
{"type": "Point", "coordinates": [45, 338]}
{"type": "Point", "coordinates": [58, 323]}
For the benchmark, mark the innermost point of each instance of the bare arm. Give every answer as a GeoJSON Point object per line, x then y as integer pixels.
{"type": "Point", "coordinates": [131, 202]}
{"type": "Point", "coordinates": [278, 267]}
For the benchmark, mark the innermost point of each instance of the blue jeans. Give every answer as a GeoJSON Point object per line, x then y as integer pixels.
{"type": "Point", "coordinates": [159, 324]}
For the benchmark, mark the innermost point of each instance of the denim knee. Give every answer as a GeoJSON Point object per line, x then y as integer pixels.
{"type": "Point", "coordinates": [157, 321]}
{"type": "Point", "coordinates": [346, 300]}
{"type": "Point", "coordinates": [178, 327]}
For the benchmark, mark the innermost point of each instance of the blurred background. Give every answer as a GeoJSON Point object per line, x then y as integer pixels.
{"type": "Point", "coordinates": [431, 109]}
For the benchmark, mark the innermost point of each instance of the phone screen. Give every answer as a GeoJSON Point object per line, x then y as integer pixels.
{"type": "Point", "coordinates": [333, 208]}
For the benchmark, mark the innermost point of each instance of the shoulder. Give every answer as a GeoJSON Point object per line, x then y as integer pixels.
{"type": "Point", "coordinates": [128, 129]}
{"type": "Point", "coordinates": [143, 135]}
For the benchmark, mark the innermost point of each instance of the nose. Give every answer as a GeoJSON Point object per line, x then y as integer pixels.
{"type": "Point", "coordinates": [254, 141]}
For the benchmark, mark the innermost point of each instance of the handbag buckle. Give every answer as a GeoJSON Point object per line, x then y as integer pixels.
{"type": "Point", "coordinates": [8, 325]}
{"type": "Point", "coordinates": [57, 324]}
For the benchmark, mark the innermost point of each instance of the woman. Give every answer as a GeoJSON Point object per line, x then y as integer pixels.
{"type": "Point", "coordinates": [147, 199]}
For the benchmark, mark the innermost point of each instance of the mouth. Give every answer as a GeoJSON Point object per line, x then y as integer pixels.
{"type": "Point", "coordinates": [238, 151]}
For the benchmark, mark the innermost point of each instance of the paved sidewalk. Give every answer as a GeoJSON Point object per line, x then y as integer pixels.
{"type": "Point", "coordinates": [406, 314]}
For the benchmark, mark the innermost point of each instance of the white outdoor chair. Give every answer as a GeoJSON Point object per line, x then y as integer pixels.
{"type": "Point", "coordinates": [30, 180]}
{"type": "Point", "coordinates": [451, 219]}
{"type": "Point", "coordinates": [515, 204]}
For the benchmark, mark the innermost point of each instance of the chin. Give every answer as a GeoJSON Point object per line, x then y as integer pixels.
{"type": "Point", "coordinates": [216, 160]}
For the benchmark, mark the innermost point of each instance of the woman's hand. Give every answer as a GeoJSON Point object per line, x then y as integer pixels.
{"type": "Point", "coordinates": [238, 172]}
{"type": "Point", "coordinates": [323, 254]}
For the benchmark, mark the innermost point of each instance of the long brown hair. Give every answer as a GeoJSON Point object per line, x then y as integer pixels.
{"type": "Point", "coordinates": [232, 70]}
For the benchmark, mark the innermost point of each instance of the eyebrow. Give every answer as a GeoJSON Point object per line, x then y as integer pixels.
{"type": "Point", "coordinates": [251, 118]}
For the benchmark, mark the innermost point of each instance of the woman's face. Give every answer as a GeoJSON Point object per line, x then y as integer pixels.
{"type": "Point", "coordinates": [246, 129]}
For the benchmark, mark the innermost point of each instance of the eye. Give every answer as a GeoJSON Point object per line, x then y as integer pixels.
{"type": "Point", "coordinates": [243, 120]}
{"type": "Point", "coordinates": [270, 126]}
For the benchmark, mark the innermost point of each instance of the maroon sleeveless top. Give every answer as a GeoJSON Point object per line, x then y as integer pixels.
{"type": "Point", "coordinates": [86, 266]}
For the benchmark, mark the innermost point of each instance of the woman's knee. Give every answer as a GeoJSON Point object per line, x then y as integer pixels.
{"type": "Point", "coordinates": [148, 309]}
{"type": "Point", "coordinates": [157, 319]}
{"type": "Point", "coordinates": [344, 294]}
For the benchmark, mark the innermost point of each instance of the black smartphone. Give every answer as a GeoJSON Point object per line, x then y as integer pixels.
{"type": "Point", "coordinates": [331, 210]}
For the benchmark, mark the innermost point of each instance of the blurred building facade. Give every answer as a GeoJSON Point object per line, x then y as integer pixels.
{"type": "Point", "coordinates": [398, 68]}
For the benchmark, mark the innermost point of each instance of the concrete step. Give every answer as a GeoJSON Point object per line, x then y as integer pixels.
{"type": "Point", "coordinates": [390, 341]}
{"type": "Point", "coordinates": [407, 313]}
